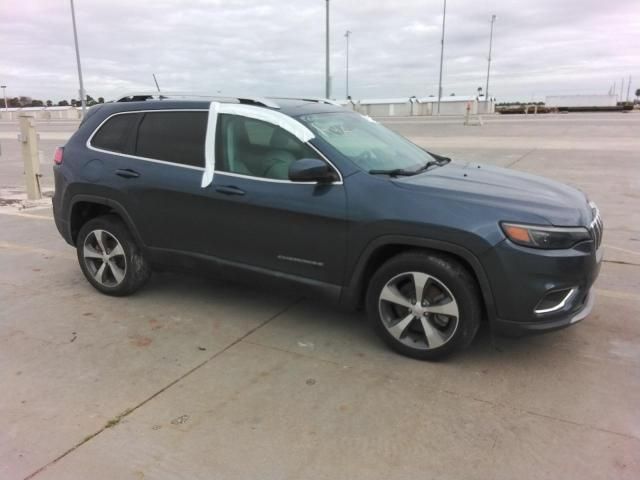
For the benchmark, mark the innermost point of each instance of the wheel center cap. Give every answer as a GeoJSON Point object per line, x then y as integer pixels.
{"type": "Point", "coordinates": [417, 310]}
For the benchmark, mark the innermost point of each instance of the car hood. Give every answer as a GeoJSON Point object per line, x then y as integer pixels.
{"type": "Point", "coordinates": [521, 196]}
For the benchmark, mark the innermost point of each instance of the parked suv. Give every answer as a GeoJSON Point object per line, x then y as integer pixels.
{"type": "Point", "coordinates": [314, 197]}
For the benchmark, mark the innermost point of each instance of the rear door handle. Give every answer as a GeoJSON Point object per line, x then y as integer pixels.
{"type": "Point", "coordinates": [230, 190]}
{"type": "Point", "coordinates": [127, 173]}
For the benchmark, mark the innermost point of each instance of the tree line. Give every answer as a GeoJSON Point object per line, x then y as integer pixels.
{"type": "Point", "coordinates": [23, 101]}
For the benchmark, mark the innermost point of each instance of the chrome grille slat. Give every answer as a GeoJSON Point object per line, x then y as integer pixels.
{"type": "Point", "coordinates": [597, 226]}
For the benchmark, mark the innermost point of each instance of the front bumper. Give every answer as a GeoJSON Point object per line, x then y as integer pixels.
{"type": "Point", "coordinates": [514, 329]}
{"type": "Point", "coordinates": [521, 277]}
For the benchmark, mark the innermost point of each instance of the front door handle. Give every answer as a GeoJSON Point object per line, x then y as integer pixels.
{"type": "Point", "coordinates": [127, 173]}
{"type": "Point", "coordinates": [230, 190]}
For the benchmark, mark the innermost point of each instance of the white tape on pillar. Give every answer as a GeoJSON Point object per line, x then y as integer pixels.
{"type": "Point", "coordinates": [283, 121]}
{"type": "Point", "coordinates": [210, 145]}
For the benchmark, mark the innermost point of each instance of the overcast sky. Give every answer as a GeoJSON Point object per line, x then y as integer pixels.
{"type": "Point", "coordinates": [277, 47]}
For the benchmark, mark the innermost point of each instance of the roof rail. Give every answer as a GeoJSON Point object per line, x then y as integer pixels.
{"type": "Point", "coordinates": [310, 99]}
{"type": "Point", "coordinates": [327, 101]}
{"type": "Point", "coordinates": [152, 95]}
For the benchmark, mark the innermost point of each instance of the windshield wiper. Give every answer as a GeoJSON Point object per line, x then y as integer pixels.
{"type": "Point", "coordinates": [433, 163]}
{"type": "Point", "coordinates": [393, 172]}
{"type": "Point", "coordinates": [396, 172]}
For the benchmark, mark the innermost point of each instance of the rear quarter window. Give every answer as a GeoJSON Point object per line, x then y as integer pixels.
{"type": "Point", "coordinates": [176, 137]}
{"type": "Point", "coordinates": [117, 133]}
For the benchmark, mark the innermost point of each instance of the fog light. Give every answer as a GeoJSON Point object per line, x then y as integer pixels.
{"type": "Point", "coordinates": [554, 301]}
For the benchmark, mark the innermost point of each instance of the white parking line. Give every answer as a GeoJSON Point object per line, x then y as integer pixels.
{"type": "Point", "coordinates": [621, 249]}
{"type": "Point", "coordinates": [26, 215]}
{"type": "Point", "coordinates": [618, 294]}
{"type": "Point", "coordinates": [28, 248]}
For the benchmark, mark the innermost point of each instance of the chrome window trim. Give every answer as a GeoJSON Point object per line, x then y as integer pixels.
{"type": "Point", "coordinates": [136, 157]}
{"type": "Point", "coordinates": [201, 169]}
{"type": "Point", "coordinates": [558, 306]}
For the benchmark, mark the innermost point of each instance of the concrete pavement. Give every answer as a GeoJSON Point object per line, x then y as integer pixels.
{"type": "Point", "coordinates": [199, 378]}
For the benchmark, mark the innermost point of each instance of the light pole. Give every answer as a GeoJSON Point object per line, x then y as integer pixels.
{"type": "Point", "coordinates": [4, 94]}
{"type": "Point", "coordinates": [486, 92]}
{"type": "Point", "coordinates": [347, 34]}
{"type": "Point", "coordinates": [327, 72]}
{"type": "Point", "coordinates": [444, 14]}
{"type": "Point", "coordinates": [75, 39]}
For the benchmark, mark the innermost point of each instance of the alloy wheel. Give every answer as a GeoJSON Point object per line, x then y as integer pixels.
{"type": "Point", "coordinates": [104, 258]}
{"type": "Point", "coordinates": [418, 310]}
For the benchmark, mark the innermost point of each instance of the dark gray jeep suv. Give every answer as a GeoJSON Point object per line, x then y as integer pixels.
{"type": "Point", "coordinates": [307, 195]}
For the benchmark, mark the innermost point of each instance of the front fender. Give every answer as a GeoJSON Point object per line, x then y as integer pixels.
{"type": "Point", "coordinates": [356, 281]}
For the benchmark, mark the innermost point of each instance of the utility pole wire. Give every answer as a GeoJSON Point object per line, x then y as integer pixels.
{"type": "Point", "coordinates": [444, 14]}
{"type": "Point", "coordinates": [327, 73]}
{"type": "Point", "coordinates": [75, 39]}
{"type": "Point", "coordinates": [486, 92]}
{"type": "Point", "coordinates": [347, 34]}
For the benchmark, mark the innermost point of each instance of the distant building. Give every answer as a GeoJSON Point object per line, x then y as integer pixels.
{"type": "Point", "coordinates": [414, 106]}
{"type": "Point", "coordinates": [385, 107]}
{"type": "Point", "coordinates": [564, 101]}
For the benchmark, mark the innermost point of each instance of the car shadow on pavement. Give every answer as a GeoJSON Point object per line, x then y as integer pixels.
{"type": "Point", "coordinates": [311, 327]}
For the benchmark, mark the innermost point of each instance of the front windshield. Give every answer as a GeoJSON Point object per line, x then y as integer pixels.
{"type": "Point", "coordinates": [367, 143]}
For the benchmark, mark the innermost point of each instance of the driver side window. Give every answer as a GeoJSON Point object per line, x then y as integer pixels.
{"type": "Point", "coordinates": [251, 147]}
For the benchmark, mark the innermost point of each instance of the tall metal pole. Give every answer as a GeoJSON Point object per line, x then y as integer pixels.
{"type": "Point", "coordinates": [347, 33]}
{"type": "Point", "coordinates": [4, 93]}
{"type": "Point", "coordinates": [156, 81]}
{"type": "Point", "coordinates": [444, 14]}
{"type": "Point", "coordinates": [628, 90]}
{"type": "Point", "coordinates": [486, 92]}
{"type": "Point", "coordinates": [75, 39]}
{"type": "Point", "coordinates": [622, 89]}
{"type": "Point", "coordinates": [327, 73]}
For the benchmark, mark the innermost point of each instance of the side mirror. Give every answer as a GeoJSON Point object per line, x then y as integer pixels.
{"type": "Point", "coordinates": [311, 170]}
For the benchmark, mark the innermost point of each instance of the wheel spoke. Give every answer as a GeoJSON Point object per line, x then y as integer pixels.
{"type": "Point", "coordinates": [449, 308]}
{"type": "Point", "coordinates": [91, 252]}
{"type": "Point", "coordinates": [434, 337]}
{"type": "Point", "coordinates": [99, 275]}
{"type": "Point", "coordinates": [98, 236]}
{"type": "Point", "coordinates": [117, 251]}
{"type": "Point", "coordinates": [391, 294]}
{"type": "Point", "coordinates": [118, 273]}
{"type": "Point", "coordinates": [419, 281]}
{"type": "Point", "coordinates": [398, 329]}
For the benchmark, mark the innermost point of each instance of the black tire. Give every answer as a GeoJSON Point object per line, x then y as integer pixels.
{"type": "Point", "coordinates": [449, 279]}
{"type": "Point", "coordinates": [134, 265]}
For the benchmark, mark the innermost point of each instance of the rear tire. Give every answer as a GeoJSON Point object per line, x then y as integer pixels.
{"type": "Point", "coordinates": [109, 257]}
{"type": "Point", "coordinates": [424, 305]}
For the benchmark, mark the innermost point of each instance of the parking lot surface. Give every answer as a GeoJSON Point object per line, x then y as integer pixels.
{"type": "Point", "coordinates": [200, 378]}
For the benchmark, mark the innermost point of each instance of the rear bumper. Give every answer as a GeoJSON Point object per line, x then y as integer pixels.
{"type": "Point", "coordinates": [58, 208]}
{"type": "Point", "coordinates": [514, 329]}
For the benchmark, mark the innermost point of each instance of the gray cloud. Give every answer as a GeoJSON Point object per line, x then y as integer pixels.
{"type": "Point", "coordinates": [277, 47]}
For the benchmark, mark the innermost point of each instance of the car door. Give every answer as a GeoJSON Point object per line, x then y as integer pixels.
{"type": "Point", "coordinates": [156, 161]}
{"type": "Point", "coordinates": [262, 219]}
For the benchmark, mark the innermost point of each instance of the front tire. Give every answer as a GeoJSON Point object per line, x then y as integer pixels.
{"type": "Point", "coordinates": [109, 257]}
{"type": "Point", "coordinates": [424, 305]}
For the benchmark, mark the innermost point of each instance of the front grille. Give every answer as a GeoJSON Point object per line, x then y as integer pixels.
{"type": "Point", "coordinates": [596, 227]}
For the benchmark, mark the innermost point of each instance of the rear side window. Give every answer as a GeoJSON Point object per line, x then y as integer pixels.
{"type": "Point", "coordinates": [176, 137]}
{"type": "Point", "coordinates": [117, 133]}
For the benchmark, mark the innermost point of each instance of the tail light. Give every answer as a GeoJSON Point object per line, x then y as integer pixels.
{"type": "Point", "coordinates": [57, 157]}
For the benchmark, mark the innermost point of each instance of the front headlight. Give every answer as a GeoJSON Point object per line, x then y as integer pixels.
{"type": "Point", "coordinates": [549, 238]}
